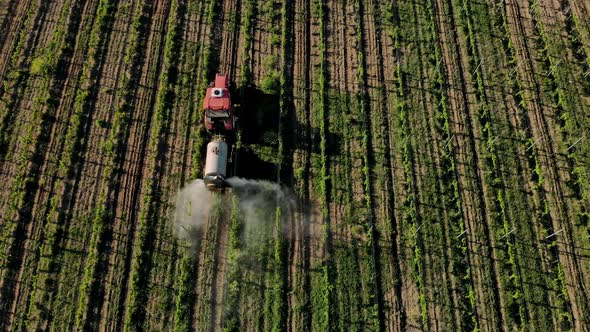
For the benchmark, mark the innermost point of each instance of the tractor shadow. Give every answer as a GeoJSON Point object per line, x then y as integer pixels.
{"type": "Point", "coordinates": [259, 126]}
{"type": "Point", "coordinates": [259, 118]}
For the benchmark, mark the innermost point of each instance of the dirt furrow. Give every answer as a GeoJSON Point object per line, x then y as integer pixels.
{"type": "Point", "coordinates": [230, 37]}
{"type": "Point", "coordinates": [300, 320]}
{"type": "Point", "coordinates": [7, 9]}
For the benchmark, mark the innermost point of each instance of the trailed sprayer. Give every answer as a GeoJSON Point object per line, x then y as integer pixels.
{"type": "Point", "coordinates": [220, 122]}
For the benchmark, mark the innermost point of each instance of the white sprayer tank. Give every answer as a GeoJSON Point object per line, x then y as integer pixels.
{"type": "Point", "coordinates": [215, 163]}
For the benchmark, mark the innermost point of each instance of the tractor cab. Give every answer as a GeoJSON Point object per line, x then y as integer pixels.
{"type": "Point", "coordinates": [219, 112]}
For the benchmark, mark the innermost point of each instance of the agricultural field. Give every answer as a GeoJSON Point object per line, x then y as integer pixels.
{"type": "Point", "coordinates": [416, 165]}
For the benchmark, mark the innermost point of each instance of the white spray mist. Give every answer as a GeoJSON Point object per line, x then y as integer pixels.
{"type": "Point", "coordinates": [257, 206]}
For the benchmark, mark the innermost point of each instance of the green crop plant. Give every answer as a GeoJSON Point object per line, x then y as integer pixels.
{"type": "Point", "coordinates": [246, 31]}
{"type": "Point", "coordinates": [115, 140]}
{"type": "Point", "coordinates": [14, 76]}
{"type": "Point", "coordinates": [322, 292]}
{"type": "Point", "coordinates": [490, 153]}
{"type": "Point", "coordinates": [373, 278]}
{"type": "Point", "coordinates": [33, 133]}
{"type": "Point", "coordinates": [148, 214]}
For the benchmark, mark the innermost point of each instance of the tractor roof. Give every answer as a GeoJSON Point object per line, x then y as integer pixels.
{"type": "Point", "coordinates": [216, 99]}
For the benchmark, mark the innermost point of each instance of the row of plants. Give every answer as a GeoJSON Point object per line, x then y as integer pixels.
{"type": "Point", "coordinates": [370, 274]}
{"type": "Point", "coordinates": [188, 250]}
{"type": "Point", "coordinates": [12, 86]}
{"type": "Point", "coordinates": [93, 38]}
{"type": "Point", "coordinates": [577, 37]}
{"type": "Point", "coordinates": [280, 286]}
{"type": "Point", "coordinates": [47, 82]}
{"type": "Point", "coordinates": [249, 8]}
{"type": "Point", "coordinates": [515, 203]}
{"type": "Point", "coordinates": [301, 303]}
{"type": "Point", "coordinates": [270, 83]}
{"type": "Point", "coordinates": [34, 135]}
{"type": "Point", "coordinates": [113, 149]}
{"type": "Point", "coordinates": [576, 149]}
{"type": "Point", "coordinates": [566, 97]}
{"type": "Point", "coordinates": [16, 75]}
{"type": "Point", "coordinates": [208, 285]}
{"type": "Point", "coordinates": [149, 213]}
{"type": "Point", "coordinates": [343, 108]}
{"type": "Point", "coordinates": [495, 179]}
{"type": "Point", "coordinates": [353, 295]}
{"type": "Point", "coordinates": [78, 214]}
{"type": "Point", "coordinates": [455, 230]}
{"type": "Point", "coordinates": [531, 151]}
{"type": "Point", "coordinates": [391, 26]}
{"type": "Point", "coordinates": [410, 219]}
{"type": "Point", "coordinates": [322, 283]}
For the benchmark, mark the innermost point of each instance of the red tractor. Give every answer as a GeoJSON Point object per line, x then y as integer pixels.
{"type": "Point", "coordinates": [219, 111]}
{"type": "Point", "coordinates": [220, 121]}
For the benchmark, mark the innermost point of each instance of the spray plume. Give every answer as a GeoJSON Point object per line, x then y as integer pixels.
{"type": "Point", "coordinates": [257, 206]}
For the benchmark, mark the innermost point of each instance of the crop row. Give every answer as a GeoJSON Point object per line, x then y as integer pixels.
{"type": "Point", "coordinates": [148, 216]}
{"type": "Point", "coordinates": [513, 283]}
{"type": "Point", "coordinates": [113, 148]}
{"type": "Point", "coordinates": [456, 229]}
{"type": "Point", "coordinates": [185, 296]}
{"type": "Point", "coordinates": [371, 271]}
{"type": "Point", "coordinates": [321, 292]}
{"type": "Point", "coordinates": [35, 134]}
{"type": "Point", "coordinates": [41, 298]}
{"type": "Point", "coordinates": [15, 75]}
{"type": "Point", "coordinates": [410, 219]}
{"type": "Point", "coordinates": [512, 202]}
{"type": "Point", "coordinates": [567, 97]}
{"type": "Point", "coordinates": [44, 71]}
{"type": "Point", "coordinates": [14, 83]}
{"type": "Point", "coordinates": [280, 308]}
{"type": "Point", "coordinates": [532, 155]}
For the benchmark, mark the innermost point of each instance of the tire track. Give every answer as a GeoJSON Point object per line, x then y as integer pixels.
{"type": "Point", "coordinates": [301, 321]}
